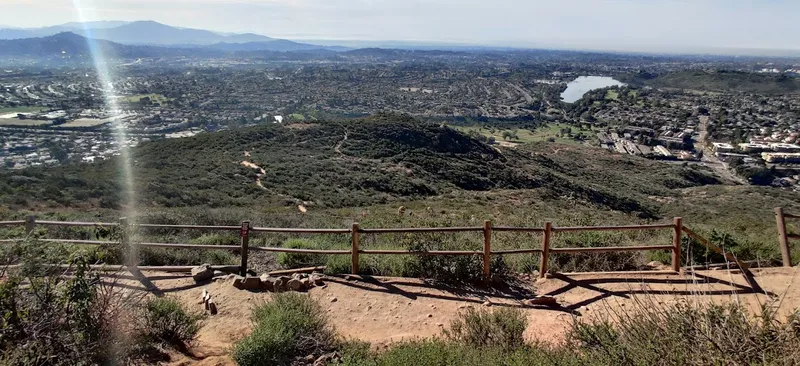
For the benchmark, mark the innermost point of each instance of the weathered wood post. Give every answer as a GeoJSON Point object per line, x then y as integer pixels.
{"type": "Point", "coordinates": [244, 233]}
{"type": "Point", "coordinates": [131, 252]}
{"type": "Point", "coordinates": [783, 238]}
{"type": "Point", "coordinates": [676, 244]}
{"type": "Point", "coordinates": [548, 229]}
{"type": "Point", "coordinates": [354, 249]}
{"type": "Point", "coordinates": [30, 224]}
{"type": "Point", "coordinates": [487, 251]}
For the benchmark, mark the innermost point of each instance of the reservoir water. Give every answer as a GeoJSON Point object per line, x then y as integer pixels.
{"type": "Point", "coordinates": [578, 87]}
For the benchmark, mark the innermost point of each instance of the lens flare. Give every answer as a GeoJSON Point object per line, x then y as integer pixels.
{"type": "Point", "coordinates": [105, 79]}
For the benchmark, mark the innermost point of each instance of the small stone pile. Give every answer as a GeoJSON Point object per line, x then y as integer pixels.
{"type": "Point", "coordinates": [295, 282]}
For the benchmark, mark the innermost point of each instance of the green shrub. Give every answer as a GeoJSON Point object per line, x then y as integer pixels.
{"type": "Point", "coordinates": [166, 320]}
{"type": "Point", "coordinates": [49, 319]}
{"type": "Point", "coordinates": [709, 334]}
{"type": "Point", "coordinates": [183, 257]}
{"type": "Point", "coordinates": [290, 325]}
{"type": "Point", "coordinates": [503, 328]}
{"type": "Point", "coordinates": [297, 260]}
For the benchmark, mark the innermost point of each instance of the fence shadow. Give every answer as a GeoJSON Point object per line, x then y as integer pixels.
{"type": "Point", "coordinates": [592, 284]}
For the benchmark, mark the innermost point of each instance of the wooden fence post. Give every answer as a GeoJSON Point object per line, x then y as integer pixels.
{"type": "Point", "coordinates": [244, 233]}
{"type": "Point", "coordinates": [783, 239]}
{"type": "Point", "coordinates": [487, 251]}
{"type": "Point", "coordinates": [548, 228]}
{"type": "Point", "coordinates": [354, 249]}
{"type": "Point", "coordinates": [676, 244]}
{"type": "Point", "coordinates": [131, 252]}
{"type": "Point", "coordinates": [30, 224]}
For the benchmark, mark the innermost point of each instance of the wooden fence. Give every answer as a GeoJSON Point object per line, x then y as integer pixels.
{"type": "Point", "coordinates": [246, 229]}
{"type": "Point", "coordinates": [783, 236]}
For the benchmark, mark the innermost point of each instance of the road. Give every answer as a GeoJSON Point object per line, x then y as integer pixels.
{"type": "Point", "coordinates": [710, 160]}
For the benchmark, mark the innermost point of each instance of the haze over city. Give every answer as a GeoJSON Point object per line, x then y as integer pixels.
{"type": "Point", "coordinates": [624, 25]}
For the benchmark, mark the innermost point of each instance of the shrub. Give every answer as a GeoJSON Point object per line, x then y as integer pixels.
{"type": "Point", "coordinates": [54, 320]}
{"type": "Point", "coordinates": [166, 320]}
{"type": "Point", "coordinates": [290, 325]}
{"type": "Point", "coordinates": [297, 260]}
{"type": "Point", "coordinates": [503, 328]}
{"type": "Point", "coordinates": [709, 334]}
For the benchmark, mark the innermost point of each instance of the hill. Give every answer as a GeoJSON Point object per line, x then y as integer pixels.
{"type": "Point", "coordinates": [720, 80]}
{"type": "Point", "coordinates": [380, 159]}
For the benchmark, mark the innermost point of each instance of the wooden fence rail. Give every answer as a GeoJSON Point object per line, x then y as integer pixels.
{"type": "Point", "coordinates": [246, 230]}
{"type": "Point", "coordinates": [783, 236]}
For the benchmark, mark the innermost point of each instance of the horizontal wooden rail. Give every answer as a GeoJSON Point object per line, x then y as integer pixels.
{"type": "Point", "coordinates": [728, 256]}
{"type": "Point", "coordinates": [413, 252]}
{"type": "Point", "coordinates": [193, 227]}
{"type": "Point", "coordinates": [632, 248]}
{"type": "Point", "coordinates": [299, 230]}
{"type": "Point", "coordinates": [516, 251]}
{"type": "Point", "coordinates": [297, 250]}
{"type": "Point", "coordinates": [76, 223]}
{"type": "Point", "coordinates": [520, 229]}
{"type": "Point", "coordinates": [187, 246]}
{"type": "Point", "coordinates": [12, 223]}
{"type": "Point", "coordinates": [65, 241]}
{"type": "Point", "coordinates": [420, 230]}
{"type": "Point", "coordinates": [793, 236]}
{"type": "Point", "coordinates": [118, 267]}
{"type": "Point", "coordinates": [790, 216]}
{"type": "Point", "coordinates": [612, 228]}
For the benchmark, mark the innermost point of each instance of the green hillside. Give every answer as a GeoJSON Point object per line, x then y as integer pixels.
{"type": "Point", "coordinates": [720, 80]}
{"type": "Point", "coordinates": [384, 158]}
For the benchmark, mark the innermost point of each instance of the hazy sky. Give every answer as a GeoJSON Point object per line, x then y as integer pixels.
{"type": "Point", "coordinates": [607, 24]}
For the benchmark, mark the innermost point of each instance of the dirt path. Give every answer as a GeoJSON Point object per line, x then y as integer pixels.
{"type": "Point", "coordinates": [386, 310]}
{"type": "Point", "coordinates": [709, 159]}
{"type": "Point", "coordinates": [338, 147]}
{"type": "Point", "coordinates": [251, 165]}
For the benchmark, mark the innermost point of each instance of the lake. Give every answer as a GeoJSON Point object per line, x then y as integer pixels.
{"type": "Point", "coordinates": [578, 87]}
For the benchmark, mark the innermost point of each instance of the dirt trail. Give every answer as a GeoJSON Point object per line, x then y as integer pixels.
{"type": "Point", "coordinates": [709, 159]}
{"type": "Point", "coordinates": [338, 147]}
{"type": "Point", "coordinates": [251, 165]}
{"type": "Point", "coordinates": [386, 310]}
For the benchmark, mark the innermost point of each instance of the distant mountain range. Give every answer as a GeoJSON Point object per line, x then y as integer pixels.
{"type": "Point", "coordinates": [138, 39]}
{"type": "Point", "coordinates": [135, 33]}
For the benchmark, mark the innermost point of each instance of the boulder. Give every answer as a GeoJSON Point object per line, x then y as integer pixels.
{"type": "Point", "coordinates": [247, 283]}
{"type": "Point", "coordinates": [202, 273]}
{"type": "Point", "coordinates": [541, 300]}
{"type": "Point", "coordinates": [295, 284]}
{"type": "Point", "coordinates": [317, 280]}
{"type": "Point", "coordinates": [267, 282]}
{"type": "Point", "coordinates": [306, 282]}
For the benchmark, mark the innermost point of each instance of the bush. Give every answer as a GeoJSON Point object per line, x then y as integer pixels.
{"type": "Point", "coordinates": [689, 334]}
{"type": "Point", "coordinates": [298, 260]}
{"type": "Point", "coordinates": [291, 325]}
{"type": "Point", "coordinates": [48, 319]}
{"type": "Point", "coordinates": [503, 328]}
{"type": "Point", "coordinates": [166, 320]}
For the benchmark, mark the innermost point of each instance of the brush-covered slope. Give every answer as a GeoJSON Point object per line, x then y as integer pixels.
{"type": "Point", "coordinates": [334, 164]}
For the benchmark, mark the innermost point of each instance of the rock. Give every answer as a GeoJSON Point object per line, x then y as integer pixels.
{"type": "Point", "coordinates": [307, 284]}
{"type": "Point", "coordinates": [267, 282]}
{"type": "Point", "coordinates": [309, 358]}
{"type": "Point", "coordinates": [212, 307]}
{"type": "Point", "coordinates": [655, 264]}
{"type": "Point", "coordinates": [487, 303]}
{"type": "Point", "coordinates": [247, 283]}
{"type": "Point", "coordinates": [439, 324]}
{"type": "Point", "coordinates": [333, 299]}
{"type": "Point", "coordinates": [326, 359]}
{"type": "Point", "coordinates": [430, 315]}
{"type": "Point", "coordinates": [317, 280]}
{"type": "Point", "coordinates": [202, 273]}
{"type": "Point", "coordinates": [295, 285]}
{"type": "Point", "coordinates": [541, 300]}
{"type": "Point", "coordinates": [351, 278]}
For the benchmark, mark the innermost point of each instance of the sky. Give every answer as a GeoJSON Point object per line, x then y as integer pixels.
{"type": "Point", "coordinates": [641, 25]}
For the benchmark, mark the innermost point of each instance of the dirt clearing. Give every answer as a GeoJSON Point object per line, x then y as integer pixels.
{"type": "Point", "coordinates": [386, 310]}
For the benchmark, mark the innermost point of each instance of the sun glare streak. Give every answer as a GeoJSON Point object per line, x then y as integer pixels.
{"type": "Point", "coordinates": [105, 80]}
